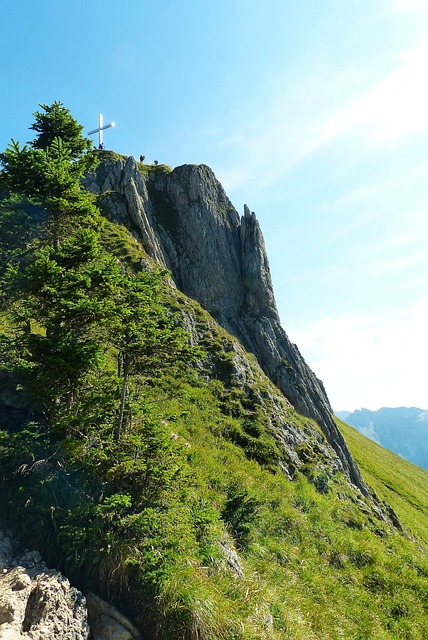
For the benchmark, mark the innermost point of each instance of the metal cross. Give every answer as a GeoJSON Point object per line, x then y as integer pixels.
{"type": "Point", "coordinates": [100, 130]}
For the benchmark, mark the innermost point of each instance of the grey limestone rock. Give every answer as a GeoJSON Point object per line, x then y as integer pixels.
{"type": "Point", "coordinates": [37, 603]}
{"type": "Point", "coordinates": [231, 559]}
{"type": "Point", "coordinates": [107, 623]}
{"type": "Point", "coordinates": [185, 221]}
{"type": "Point", "coordinates": [124, 191]}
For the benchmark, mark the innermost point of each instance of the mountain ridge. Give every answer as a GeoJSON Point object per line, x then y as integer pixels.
{"type": "Point", "coordinates": [403, 430]}
{"type": "Point", "coordinates": [161, 467]}
{"type": "Point", "coordinates": [186, 222]}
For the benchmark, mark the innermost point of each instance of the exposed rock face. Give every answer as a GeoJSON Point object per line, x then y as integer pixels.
{"type": "Point", "coordinates": [185, 221]}
{"type": "Point", "coordinates": [107, 623]}
{"type": "Point", "coordinates": [38, 603]}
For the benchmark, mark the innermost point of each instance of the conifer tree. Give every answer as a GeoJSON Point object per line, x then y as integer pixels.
{"type": "Point", "coordinates": [145, 334]}
{"type": "Point", "coordinates": [65, 289]}
{"type": "Point", "coordinates": [70, 297]}
{"type": "Point", "coordinates": [55, 121]}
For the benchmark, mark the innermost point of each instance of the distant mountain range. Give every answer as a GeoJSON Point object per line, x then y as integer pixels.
{"type": "Point", "coordinates": [403, 430]}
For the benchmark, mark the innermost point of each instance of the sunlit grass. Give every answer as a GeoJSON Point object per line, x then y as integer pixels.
{"type": "Point", "coordinates": [230, 548]}
{"type": "Point", "coordinates": [400, 483]}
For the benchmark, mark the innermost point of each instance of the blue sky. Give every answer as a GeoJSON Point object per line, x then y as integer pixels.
{"type": "Point", "coordinates": [313, 113]}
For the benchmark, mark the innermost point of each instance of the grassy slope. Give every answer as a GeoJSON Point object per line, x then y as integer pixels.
{"type": "Point", "coordinates": [313, 561]}
{"type": "Point", "coordinates": [316, 564]}
{"type": "Point", "coordinates": [401, 484]}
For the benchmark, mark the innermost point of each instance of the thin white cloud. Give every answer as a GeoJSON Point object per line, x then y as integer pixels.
{"type": "Point", "coordinates": [314, 113]}
{"type": "Point", "coordinates": [411, 5]}
{"type": "Point", "coordinates": [393, 266]}
{"type": "Point", "coordinates": [357, 195]}
{"type": "Point", "coordinates": [370, 361]}
{"type": "Point", "coordinates": [395, 107]}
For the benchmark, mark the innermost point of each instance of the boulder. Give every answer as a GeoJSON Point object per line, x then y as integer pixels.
{"type": "Point", "coordinates": [37, 603]}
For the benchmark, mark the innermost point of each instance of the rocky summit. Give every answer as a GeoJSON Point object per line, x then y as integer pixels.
{"type": "Point", "coordinates": [186, 223]}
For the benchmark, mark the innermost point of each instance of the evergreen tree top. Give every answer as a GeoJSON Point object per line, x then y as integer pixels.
{"type": "Point", "coordinates": [55, 121]}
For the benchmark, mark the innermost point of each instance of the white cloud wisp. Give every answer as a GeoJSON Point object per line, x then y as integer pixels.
{"type": "Point", "coordinates": [300, 120]}
{"type": "Point", "coordinates": [370, 361]}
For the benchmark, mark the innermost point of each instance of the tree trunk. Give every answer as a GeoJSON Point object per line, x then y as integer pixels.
{"type": "Point", "coordinates": [123, 397]}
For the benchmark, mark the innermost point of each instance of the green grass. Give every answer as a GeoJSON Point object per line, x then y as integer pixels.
{"type": "Point", "coordinates": [117, 240]}
{"type": "Point", "coordinates": [315, 564]}
{"type": "Point", "coordinates": [313, 561]}
{"type": "Point", "coordinates": [107, 156]}
{"type": "Point", "coordinates": [399, 483]}
{"type": "Point", "coordinates": [151, 170]}
{"type": "Point", "coordinates": [191, 525]}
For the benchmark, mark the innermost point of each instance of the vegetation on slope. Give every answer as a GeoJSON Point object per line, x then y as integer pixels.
{"type": "Point", "coordinates": [398, 482]}
{"type": "Point", "coordinates": [137, 462]}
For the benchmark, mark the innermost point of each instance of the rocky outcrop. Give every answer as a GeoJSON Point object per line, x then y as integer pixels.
{"type": "Point", "coordinates": [186, 222]}
{"type": "Point", "coordinates": [39, 603]}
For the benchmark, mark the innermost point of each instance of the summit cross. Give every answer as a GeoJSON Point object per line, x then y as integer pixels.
{"type": "Point", "coordinates": [100, 130]}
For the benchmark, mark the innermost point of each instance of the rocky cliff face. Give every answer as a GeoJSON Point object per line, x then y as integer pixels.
{"type": "Point", "coordinates": [186, 222]}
